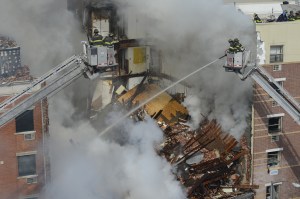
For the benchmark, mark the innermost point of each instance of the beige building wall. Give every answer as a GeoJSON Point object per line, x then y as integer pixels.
{"type": "Point", "coordinates": [283, 33]}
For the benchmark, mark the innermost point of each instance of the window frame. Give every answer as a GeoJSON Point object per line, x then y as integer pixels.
{"type": "Point", "coordinates": [31, 172]}
{"type": "Point", "coordinates": [276, 188]}
{"type": "Point", "coordinates": [19, 123]}
{"type": "Point", "coordinates": [279, 124]}
{"type": "Point", "coordinates": [274, 138]}
{"type": "Point", "coordinates": [270, 164]}
{"type": "Point", "coordinates": [276, 57]}
{"type": "Point", "coordinates": [277, 67]}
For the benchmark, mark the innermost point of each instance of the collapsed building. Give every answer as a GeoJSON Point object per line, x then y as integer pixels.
{"type": "Point", "coordinates": [208, 162]}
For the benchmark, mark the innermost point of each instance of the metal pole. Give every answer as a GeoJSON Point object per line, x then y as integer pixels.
{"type": "Point", "coordinates": [271, 190]}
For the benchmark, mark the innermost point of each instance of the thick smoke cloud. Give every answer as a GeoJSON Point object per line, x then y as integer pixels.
{"type": "Point", "coordinates": [89, 167]}
{"type": "Point", "coordinates": [191, 34]}
{"type": "Point", "coordinates": [46, 32]}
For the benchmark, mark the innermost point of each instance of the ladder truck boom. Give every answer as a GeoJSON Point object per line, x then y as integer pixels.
{"type": "Point", "coordinates": [55, 80]}
{"type": "Point", "coordinates": [87, 64]}
{"type": "Point", "coordinates": [265, 80]}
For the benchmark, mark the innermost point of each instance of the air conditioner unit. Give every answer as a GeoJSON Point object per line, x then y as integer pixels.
{"type": "Point", "coordinates": [29, 136]}
{"type": "Point", "coordinates": [31, 180]}
{"type": "Point", "coordinates": [273, 172]}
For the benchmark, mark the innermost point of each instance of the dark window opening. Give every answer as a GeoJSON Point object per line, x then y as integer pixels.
{"type": "Point", "coordinates": [273, 159]}
{"type": "Point", "coordinates": [24, 122]}
{"type": "Point", "coordinates": [274, 124]}
{"type": "Point", "coordinates": [26, 165]}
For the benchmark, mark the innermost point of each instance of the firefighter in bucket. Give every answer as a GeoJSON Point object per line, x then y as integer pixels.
{"type": "Point", "coordinates": [235, 46]}
{"type": "Point", "coordinates": [234, 56]}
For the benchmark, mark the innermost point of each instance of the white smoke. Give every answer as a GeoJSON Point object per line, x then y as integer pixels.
{"type": "Point", "coordinates": [93, 168]}
{"type": "Point", "coordinates": [45, 30]}
{"type": "Point", "coordinates": [191, 34]}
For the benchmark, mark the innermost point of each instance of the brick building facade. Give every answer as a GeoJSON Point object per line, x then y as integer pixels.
{"type": "Point", "coordinates": [276, 137]}
{"type": "Point", "coordinates": [24, 166]}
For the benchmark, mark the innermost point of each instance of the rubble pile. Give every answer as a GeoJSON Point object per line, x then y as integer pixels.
{"type": "Point", "coordinates": [207, 161]}
{"type": "Point", "coordinates": [10, 65]}
{"type": "Point", "coordinates": [22, 74]}
{"type": "Point", "coordinates": [7, 43]}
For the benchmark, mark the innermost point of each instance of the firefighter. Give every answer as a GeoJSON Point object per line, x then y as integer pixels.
{"type": "Point", "coordinates": [238, 45]}
{"type": "Point", "coordinates": [97, 40]}
{"type": "Point", "coordinates": [115, 40]}
{"type": "Point", "coordinates": [282, 17]}
{"type": "Point", "coordinates": [108, 41]}
{"type": "Point", "coordinates": [297, 16]}
{"type": "Point", "coordinates": [291, 16]}
{"type": "Point", "coordinates": [232, 48]}
{"type": "Point", "coordinates": [256, 18]}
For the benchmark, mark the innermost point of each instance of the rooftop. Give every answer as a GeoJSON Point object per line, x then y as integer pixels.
{"type": "Point", "coordinates": [6, 42]}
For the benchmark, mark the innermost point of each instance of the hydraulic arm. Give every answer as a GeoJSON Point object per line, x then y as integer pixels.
{"type": "Point", "coordinates": [277, 92]}
{"type": "Point", "coordinates": [51, 82]}
{"type": "Point", "coordinates": [237, 62]}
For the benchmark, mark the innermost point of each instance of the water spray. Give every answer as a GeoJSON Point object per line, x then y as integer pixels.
{"type": "Point", "coordinates": [154, 96]}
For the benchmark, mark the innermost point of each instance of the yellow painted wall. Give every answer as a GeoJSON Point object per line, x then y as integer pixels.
{"type": "Point", "coordinates": [281, 33]}
{"type": "Point", "coordinates": [139, 55]}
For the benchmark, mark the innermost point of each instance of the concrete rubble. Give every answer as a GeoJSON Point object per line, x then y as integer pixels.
{"type": "Point", "coordinates": [6, 42]}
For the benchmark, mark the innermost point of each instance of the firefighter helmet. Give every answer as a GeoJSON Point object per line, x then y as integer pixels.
{"type": "Point", "coordinates": [96, 31]}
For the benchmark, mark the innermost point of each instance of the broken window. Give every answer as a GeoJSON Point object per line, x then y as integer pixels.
{"type": "Point", "coordinates": [276, 54]}
{"type": "Point", "coordinates": [274, 124]}
{"type": "Point", "coordinates": [273, 158]}
{"type": "Point", "coordinates": [24, 122]}
{"type": "Point", "coordinates": [26, 165]}
{"type": "Point", "coordinates": [272, 191]}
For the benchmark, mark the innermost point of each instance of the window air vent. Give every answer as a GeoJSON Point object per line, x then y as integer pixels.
{"type": "Point", "coordinates": [31, 180]}
{"type": "Point", "coordinates": [29, 136]}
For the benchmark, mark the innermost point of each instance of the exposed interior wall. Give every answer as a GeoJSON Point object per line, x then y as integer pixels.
{"type": "Point", "coordinates": [138, 61]}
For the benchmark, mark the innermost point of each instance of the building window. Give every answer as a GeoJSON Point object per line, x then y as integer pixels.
{"type": "Point", "coordinates": [274, 138]}
{"type": "Point", "coordinates": [272, 193]}
{"type": "Point", "coordinates": [276, 54]}
{"type": "Point", "coordinates": [274, 124]}
{"type": "Point", "coordinates": [24, 122]}
{"type": "Point", "coordinates": [280, 81]}
{"type": "Point", "coordinates": [26, 165]}
{"type": "Point", "coordinates": [277, 68]}
{"type": "Point", "coordinates": [273, 158]}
